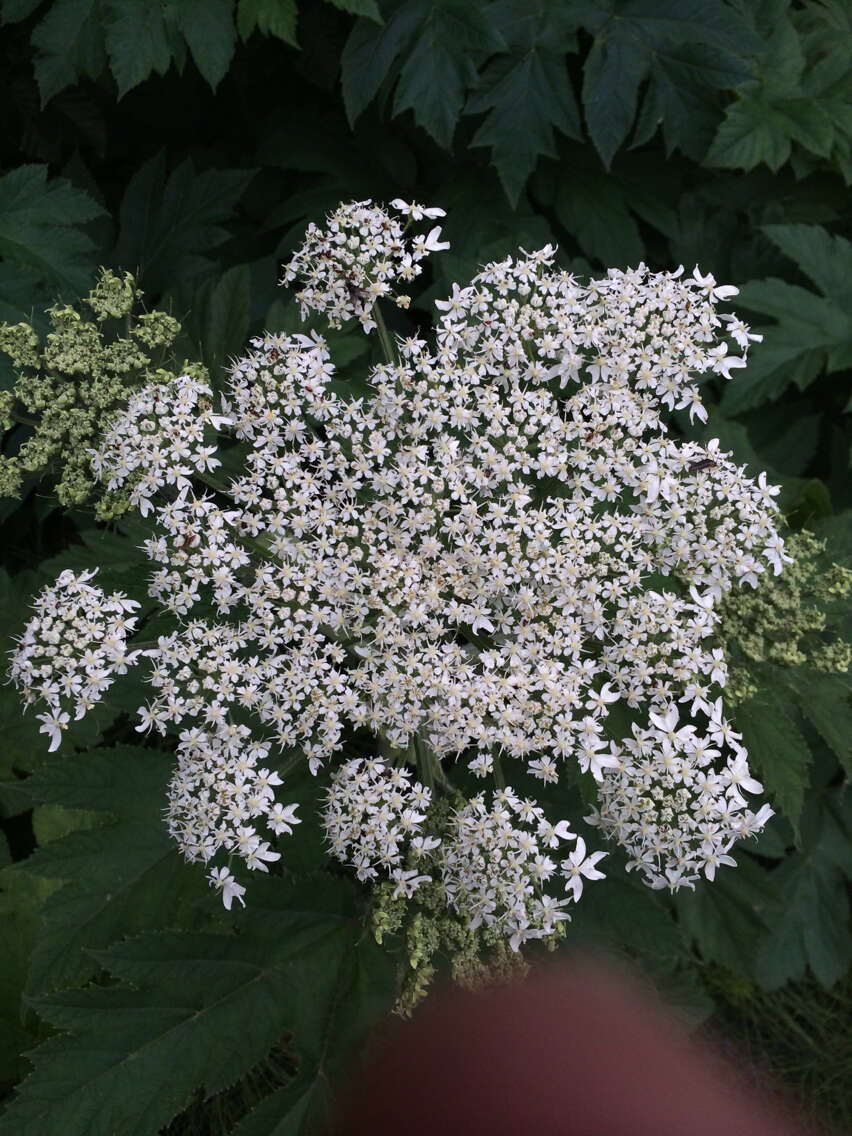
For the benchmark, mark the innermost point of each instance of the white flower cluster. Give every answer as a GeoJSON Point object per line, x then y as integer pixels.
{"type": "Point", "coordinates": [158, 440]}
{"type": "Point", "coordinates": [669, 807]}
{"type": "Point", "coordinates": [496, 862]}
{"type": "Point", "coordinates": [373, 819]}
{"type": "Point", "coordinates": [484, 557]}
{"type": "Point", "coordinates": [217, 796]}
{"type": "Point", "coordinates": [72, 649]}
{"type": "Point", "coordinates": [359, 258]}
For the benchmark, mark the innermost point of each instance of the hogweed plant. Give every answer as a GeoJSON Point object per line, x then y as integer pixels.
{"type": "Point", "coordinates": [500, 566]}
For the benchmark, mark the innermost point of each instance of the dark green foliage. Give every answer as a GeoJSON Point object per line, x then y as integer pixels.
{"type": "Point", "coordinates": [190, 142]}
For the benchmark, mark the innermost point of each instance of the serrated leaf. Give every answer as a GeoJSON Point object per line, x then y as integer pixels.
{"type": "Point", "coordinates": [440, 68]}
{"type": "Point", "coordinates": [809, 921]}
{"type": "Point", "coordinates": [369, 55]}
{"type": "Point", "coordinates": [368, 8]}
{"type": "Point", "coordinates": [270, 17]}
{"type": "Point", "coordinates": [756, 130]}
{"type": "Point", "coordinates": [631, 38]}
{"type": "Point", "coordinates": [824, 699]}
{"type": "Point", "coordinates": [69, 42]}
{"type": "Point", "coordinates": [814, 333]}
{"type": "Point", "coordinates": [681, 95]}
{"type": "Point", "coordinates": [526, 94]}
{"type": "Point", "coordinates": [121, 877]}
{"type": "Point", "coordinates": [726, 918]}
{"type": "Point", "coordinates": [169, 224]}
{"type": "Point", "coordinates": [134, 1056]}
{"type": "Point", "coordinates": [40, 227]}
{"type": "Point", "coordinates": [208, 27]}
{"type": "Point", "coordinates": [136, 42]}
{"type": "Point", "coordinates": [776, 749]}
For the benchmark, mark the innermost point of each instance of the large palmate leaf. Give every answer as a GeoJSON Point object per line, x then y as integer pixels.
{"type": "Point", "coordinates": [202, 1010]}
{"type": "Point", "coordinates": [687, 48]}
{"type": "Point", "coordinates": [776, 748]}
{"type": "Point", "coordinates": [431, 48]}
{"type": "Point", "coordinates": [120, 877]}
{"type": "Point", "coordinates": [813, 332]}
{"type": "Point", "coordinates": [801, 91]}
{"type": "Point", "coordinates": [528, 92]}
{"type": "Point", "coordinates": [169, 223]}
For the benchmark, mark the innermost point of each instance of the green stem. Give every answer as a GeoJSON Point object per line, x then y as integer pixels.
{"type": "Point", "coordinates": [499, 779]}
{"type": "Point", "coordinates": [384, 337]}
{"type": "Point", "coordinates": [24, 421]}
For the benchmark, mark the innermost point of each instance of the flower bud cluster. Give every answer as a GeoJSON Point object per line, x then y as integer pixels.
{"type": "Point", "coordinates": [220, 792]}
{"type": "Point", "coordinates": [496, 862]}
{"type": "Point", "coordinates": [67, 389]}
{"type": "Point", "coordinates": [72, 649]}
{"type": "Point", "coordinates": [360, 257]}
{"type": "Point", "coordinates": [373, 819]}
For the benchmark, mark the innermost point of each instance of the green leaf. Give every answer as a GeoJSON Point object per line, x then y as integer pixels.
{"type": "Point", "coordinates": [218, 319]}
{"type": "Point", "coordinates": [681, 95]}
{"type": "Point", "coordinates": [368, 8]}
{"type": "Point", "coordinates": [14, 10]}
{"type": "Point", "coordinates": [440, 67]}
{"type": "Point", "coordinates": [726, 918]}
{"type": "Point", "coordinates": [20, 901]}
{"type": "Point", "coordinates": [69, 43]}
{"type": "Point", "coordinates": [369, 55]}
{"type": "Point", "coordinates": [169, 224]}
{"type": "Point", "coordinates": [776, 749]}
{"type": "Point", "coordinates": [208, 27]}
{"type": "Point", "coordinates": [594, 209]}
{"type": "Point", "coordinates": [527, 94]}
{"type": "Point", "coordinates": [40, 230]}
{"type": "Point", "coordinates": [813, 334]}
{"type": "Point", "coordinates": [133, 1056]}
{"type": "Point", "coordinates": [824, 258]}
{"type": "Point", "coordinates": [810, 919]}
{"type": "Point", "coordinates": [637, 38]}
{"type": "Point", "coordinates": [136, 42]}
{"type": "Point", "coordinates": [121, 877]}
{"type": "Point", "coordinates": [824, 699]}
{"type": "Point", "coordinates": [270, 17]}
{"type": "Point", "coordinates": [442, 39]}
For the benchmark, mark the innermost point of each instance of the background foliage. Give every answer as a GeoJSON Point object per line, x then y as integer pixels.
{"type": "Point", "coordinates": [190, 142]}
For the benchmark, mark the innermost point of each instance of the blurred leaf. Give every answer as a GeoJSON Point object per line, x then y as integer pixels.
{"type": "Point", "coordinates": [169, 224]}
{"type": "Point", "coordinates": [69, 42]}
{"type": "Point", "coordinates": [40, 229]}
{"type": "Point", "coordinates": [367, 8]}
{"type": "Point", "coordinates": [218, 319]}
{"type": "Point", "coordinates": [136, 43]}
{"type": "Point", "coordinates": [208, 27]}
{"type": "Point", "coordinates": [270, 17]}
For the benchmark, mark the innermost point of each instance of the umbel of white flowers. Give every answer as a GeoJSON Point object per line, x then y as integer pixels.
{"type": "Point", "coordinates": [477, 563]}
